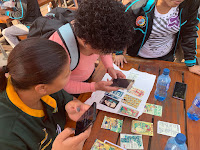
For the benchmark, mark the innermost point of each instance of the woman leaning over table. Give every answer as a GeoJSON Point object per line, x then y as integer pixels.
{"type": "Point", "coordinates": [30, 118]}
{"type": "Point", "coordinates": [159, 25]}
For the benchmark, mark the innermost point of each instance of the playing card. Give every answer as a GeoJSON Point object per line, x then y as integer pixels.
{"type": "Point", "coordinates": [129, 112]}
{"type": "Point", "coordinates": [130, 141]}
{"type": "Point", "coordinates": [99, 145]}
{"type": "Point", "coordinates": [169, 129]}
{"type": "Point", "coordinates": [109, 102]}
{"type": "Point", "coordinates": [141, 127]}
{"type": "Point", "coordinates": [137, 92]}
{"type": "Point", "coordinates": [131, 101]}
{"type": "Point", "coordinates": [112, 124]}
{"type": "Point", "coordinates": [153, 109]}
{"type": "Point", "coordinates": [116, 147]}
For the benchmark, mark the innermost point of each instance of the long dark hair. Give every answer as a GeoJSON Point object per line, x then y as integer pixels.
{"type": "Point", "coordinates": [33, 61]}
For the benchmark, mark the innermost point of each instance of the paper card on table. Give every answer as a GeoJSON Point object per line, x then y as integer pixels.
{"type": "Point", "coordinates": [135, 91]}
{"type": "Point", "coordinates": [132, 76]}
{"type": "Point", "coordinates": [99, 145]}
{"type": "Point", "coordinates": [130, 141]}
{"type": "Point", "coordinates": [109, 102]}
{"type": "Point", "coordinates": [153, 109]}
{"type": "Point", "coordinates": [169, 129]}
{"type": "Point", "coordinates": [128, 111]}
{"type": "Point", "coordinates": [117, 93]}
{"type": "Point", "coordinates": [112, 124]}
{"type": "Point", "coordinates": [116, 147]}
{"type": "Point", "coordinates": [131, 101]}
{"type": "Point", "coordinates": [141, 127]}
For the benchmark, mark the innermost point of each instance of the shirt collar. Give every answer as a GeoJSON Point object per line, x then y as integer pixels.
{"type": "Point", "coordinates": [14, 98]}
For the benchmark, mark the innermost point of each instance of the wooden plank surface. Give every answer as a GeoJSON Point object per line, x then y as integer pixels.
{"type": "Point", "coordinates": [173, 110]}
{"type": "Point", "coordinates": [193, 127]}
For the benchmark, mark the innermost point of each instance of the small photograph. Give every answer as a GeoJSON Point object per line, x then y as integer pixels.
{"type": "Point", "coordinates": [109, 102]}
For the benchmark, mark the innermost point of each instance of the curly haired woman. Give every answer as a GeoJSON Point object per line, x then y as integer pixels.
{"type": "Point", "coordinates": [101, 27]}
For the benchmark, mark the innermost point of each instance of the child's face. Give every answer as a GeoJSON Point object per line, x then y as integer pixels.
{"type": "Point", "coordinates": [60, 81]}
{"type": "Point", "coordinates": [173, 3]}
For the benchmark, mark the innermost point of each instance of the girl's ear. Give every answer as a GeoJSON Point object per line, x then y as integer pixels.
{"type": "Point", "coordinates": [41, 89]}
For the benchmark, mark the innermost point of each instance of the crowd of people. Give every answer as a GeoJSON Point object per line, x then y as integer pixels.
{"type": "Point", "coordinates": [37, 84]}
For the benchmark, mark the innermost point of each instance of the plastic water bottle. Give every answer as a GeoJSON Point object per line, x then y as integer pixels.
{"type": "Point", "coordinates": [194, 111]}
{"type": "Point", "coordinates": [162, 85]}
{"type": "Point", "coordinates": [176, 143]}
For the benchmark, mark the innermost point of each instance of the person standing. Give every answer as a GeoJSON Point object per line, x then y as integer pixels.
{"type": "Point", "coordinates": [159, 25]}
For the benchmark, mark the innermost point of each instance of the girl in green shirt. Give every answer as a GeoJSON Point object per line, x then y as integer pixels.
{"type": "Point", "coordinates": [32, 105]}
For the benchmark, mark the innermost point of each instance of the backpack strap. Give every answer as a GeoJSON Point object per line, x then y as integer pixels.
{"type": "Point", "coordinates": [67, 35]}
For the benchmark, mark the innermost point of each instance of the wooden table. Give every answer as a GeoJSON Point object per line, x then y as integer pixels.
{"type": "Point", "coordinates": [174, 110]}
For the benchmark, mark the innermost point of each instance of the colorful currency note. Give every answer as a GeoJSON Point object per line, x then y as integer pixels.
{"type": "Point", "coordinates": [153, 109]}
{"type": "Point", "coordinates": [135, 91]}
{"type": "Point", "coordinates": [141, 127]}
{"type": "Point", "coordinates": [116, 147]}
{"type": "Point", "coordinates": [130, 141]}
{"type": "Point", "coordinates": [169, 129]}
{"type": "Point", "coordinates": [99, 145]}
{"type": "Point", "coordinates": [131, 101]}
{"type": "Point", "coordinates": [129, 112]}
{"type": "Point", "coordinates": [112, 124]}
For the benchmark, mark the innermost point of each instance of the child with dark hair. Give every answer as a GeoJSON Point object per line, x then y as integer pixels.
{"type": "Point", "coordinates": [159, 26]}
{"type": "Point", "coordinates": [30, 117]}
{"type": "Point", "coordinates": [100, 27]}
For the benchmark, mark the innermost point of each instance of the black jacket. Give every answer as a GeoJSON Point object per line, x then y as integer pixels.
{"type": "Point", "coordinates": [188, 13]}
{"type": "Point", "coordinates": [26, 11]}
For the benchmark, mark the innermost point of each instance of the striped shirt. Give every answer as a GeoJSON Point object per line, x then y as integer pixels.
{"type": "Point", "coordinates": [162, 37]}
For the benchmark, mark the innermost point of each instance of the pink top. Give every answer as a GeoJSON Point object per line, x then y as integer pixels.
{"type": "Point", "coordinates": [83, 71]}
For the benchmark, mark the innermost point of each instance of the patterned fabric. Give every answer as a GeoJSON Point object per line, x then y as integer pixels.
{"type": "Point", "coordinates": [162, 37]}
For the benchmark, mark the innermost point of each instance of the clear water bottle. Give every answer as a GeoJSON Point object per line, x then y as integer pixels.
{"type": "Point", "coordinates": [162, 85]}
{"type": "Point", "coordinates": [194, 111]}
{"type": "Point", "coordinates": [176, 143]}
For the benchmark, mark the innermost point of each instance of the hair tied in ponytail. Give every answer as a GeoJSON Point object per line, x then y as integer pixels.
{"type": "Point", "coordinates": [5, 69]}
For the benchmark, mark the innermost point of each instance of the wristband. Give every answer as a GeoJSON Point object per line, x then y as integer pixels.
{"type": "Point", "coordinates": [7, 13]}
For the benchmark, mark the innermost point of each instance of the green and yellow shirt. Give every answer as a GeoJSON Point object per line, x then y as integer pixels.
{"type": "Point", "coordinates": [23, 128]}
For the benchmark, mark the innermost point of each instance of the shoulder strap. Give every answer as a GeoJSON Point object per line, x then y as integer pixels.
{"type": "Point", "coordinates": [67, 35]}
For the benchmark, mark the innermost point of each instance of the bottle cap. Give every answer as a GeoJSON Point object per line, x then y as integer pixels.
{"type": "Point", "coordinates": [166, 71]}
{"type": "Point", "coordinates": [180, 138]}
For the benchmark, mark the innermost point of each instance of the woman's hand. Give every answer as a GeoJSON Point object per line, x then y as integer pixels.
{"type": "Point", "coordinates": [75, 109]}
{"type": "Point", "coordinates": [195, 69]}
{"type": "Point", "coordinates": [115, 73]}
{"type": "Point", "coordinates": [105, 86]}
{"type": "Point", "coordinates": [66, 142]}
{"type": "Point", "coordinates": [119, 60]}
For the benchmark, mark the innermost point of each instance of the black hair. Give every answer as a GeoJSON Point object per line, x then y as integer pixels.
{"type": "Point", "coordinates": [104, 25]}
{"type": "Point", "coordinates": [34, 61]}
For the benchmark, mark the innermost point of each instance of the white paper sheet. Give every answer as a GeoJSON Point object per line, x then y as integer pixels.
{"type": "Point", "coordinates": [143, 81]}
